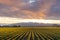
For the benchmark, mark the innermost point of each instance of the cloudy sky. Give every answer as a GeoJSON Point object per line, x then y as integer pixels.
{"type": "Point", "coordinates": [18, 10]}
{"type": "Point", "coordinates": [30, 9]}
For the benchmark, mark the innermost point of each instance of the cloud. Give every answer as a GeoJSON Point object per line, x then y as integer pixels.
{"type": "Point", "coordinates": [39, 9]}
{"type": "Point", "coordinates": [54, 12]}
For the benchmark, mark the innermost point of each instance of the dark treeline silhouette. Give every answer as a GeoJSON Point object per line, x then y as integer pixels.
{"type": "Point", "coordinates": [11, 26]}
{"type": "Point", "coordinates": [54, 25]}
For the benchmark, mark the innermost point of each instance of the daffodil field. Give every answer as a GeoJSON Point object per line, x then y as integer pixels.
{"type": "Point", "coordinates": [28, 33]}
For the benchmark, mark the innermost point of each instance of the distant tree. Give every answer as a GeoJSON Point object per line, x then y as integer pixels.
{"type": "Point", "coordinates": [55, 25]}
{"type": "Point", "coordinates": [16, 26]}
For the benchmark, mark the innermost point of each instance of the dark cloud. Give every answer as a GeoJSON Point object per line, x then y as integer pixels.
{"type": "Point", "coordinates": [39, 9]}
{"type": "Point", "coordinates": [35, 6]}
{"type": "Point", "coordinates": [54, 12]}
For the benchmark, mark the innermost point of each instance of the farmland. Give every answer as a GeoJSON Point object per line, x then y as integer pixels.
{"type": "Point", "coordinates": [27, 33]}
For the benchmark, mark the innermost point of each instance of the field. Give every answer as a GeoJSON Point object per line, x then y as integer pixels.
{"type": "Point", "coordinates": [26, 33]}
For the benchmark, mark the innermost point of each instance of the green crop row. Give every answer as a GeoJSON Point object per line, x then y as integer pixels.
{"type": "Point", "coordinates": [29, 33]}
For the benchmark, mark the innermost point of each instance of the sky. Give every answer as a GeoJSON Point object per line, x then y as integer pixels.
{"type": "Point", "coordinates": [30, 9]}
{"type": "Point", "coordinates": [8, 20]}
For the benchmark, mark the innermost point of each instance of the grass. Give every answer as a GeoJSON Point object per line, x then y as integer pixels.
{"type": "Point", "coordinates": [27, 33]}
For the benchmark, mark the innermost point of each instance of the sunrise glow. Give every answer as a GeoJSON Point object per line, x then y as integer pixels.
{"type": "Point", "coordinates": [31, 1]}
{"type": "Point", "coordinates": [8, 20]}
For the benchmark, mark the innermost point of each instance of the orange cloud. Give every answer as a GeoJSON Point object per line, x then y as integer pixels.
{"type": "Point", "coordinates": [40, 14]}
{"type": "Point", "coordinates": [45, 8]}
{"type": "Point", "coordinates": [6, 2]}
{"type": "Point", "coordinates": [18, 5]}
